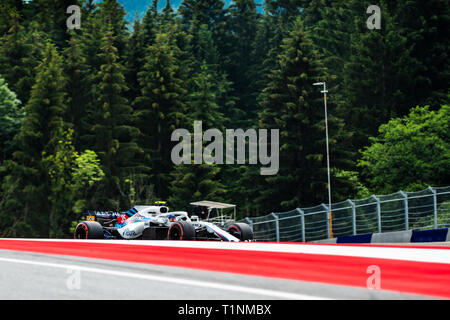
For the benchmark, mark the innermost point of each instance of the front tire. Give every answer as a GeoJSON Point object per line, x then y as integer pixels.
{"type": "Point", "coordinates": [242, 231]}
{"type": "Point", "coordinates": [89, 230]}
{"type": "Point", "coordinates": [181, 230]}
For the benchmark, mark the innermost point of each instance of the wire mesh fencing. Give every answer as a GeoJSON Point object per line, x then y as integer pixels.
{"type": "Point", "coordinates": [421, 210]}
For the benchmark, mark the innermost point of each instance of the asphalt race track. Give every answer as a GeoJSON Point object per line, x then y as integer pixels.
{"type": "Point", "coordinates": [183, 270]}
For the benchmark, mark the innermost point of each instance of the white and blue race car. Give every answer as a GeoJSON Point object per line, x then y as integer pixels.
{"type": "Point", "coordinates": [155, 222]}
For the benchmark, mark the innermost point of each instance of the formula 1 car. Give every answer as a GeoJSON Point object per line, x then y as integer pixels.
{"type": "Point", "coordinates": [155, 222]}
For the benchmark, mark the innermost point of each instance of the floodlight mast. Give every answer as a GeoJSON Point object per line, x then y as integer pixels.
{"type": "Point", "coordinates": [324, 91]}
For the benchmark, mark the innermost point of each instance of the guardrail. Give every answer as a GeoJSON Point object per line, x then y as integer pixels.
{"type": "Point", "coordinates": [406, 236]}
{"type": "Point", "coordinates": [421, 210]}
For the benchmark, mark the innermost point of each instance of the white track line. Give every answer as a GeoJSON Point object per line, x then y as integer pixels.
{"type": "Point", "coordinates": [203, 284]}
{"type": "Point", "coordinates": [403, 253]}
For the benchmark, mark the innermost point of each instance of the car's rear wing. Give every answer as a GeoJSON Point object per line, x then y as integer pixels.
{"type": "Point", "coordinates": [107, 215]}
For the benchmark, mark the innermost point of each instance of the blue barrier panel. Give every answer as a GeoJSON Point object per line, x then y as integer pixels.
{"type": "Point", "coordinates": [360, 238]}
{"type": "Point", "coordinates": [429, 235]}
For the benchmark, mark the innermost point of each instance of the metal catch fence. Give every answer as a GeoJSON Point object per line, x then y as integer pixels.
{"type": "Point", "coordinates": [421, 210]}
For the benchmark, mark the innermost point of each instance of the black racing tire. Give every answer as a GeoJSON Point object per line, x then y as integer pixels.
{"type": "Point", "coordinates": [240, 230]}
{"type": "Point", "coordinates": [88, 230]}
{"type": "Point", "coordinates": [181, 230]}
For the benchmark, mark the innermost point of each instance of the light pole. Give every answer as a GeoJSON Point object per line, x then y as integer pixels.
{"type": "Point", "coordinates": [328, 152]}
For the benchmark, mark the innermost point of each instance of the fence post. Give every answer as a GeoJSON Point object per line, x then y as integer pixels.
{"type": "Point", "coordinates": [434, 207]}
{"type": "Point", "coordinates": [302, 221]}
{"type": "Point", "coordinates": [378, 212]}
{"type": "Point", "coordinates": [405, 203]}
{"type": "Point", "coordinates": [353, 216]}
{"type": "Point", "coordinates": [277, 226]}
{"type": "Point", "coordinates": [327, 219]}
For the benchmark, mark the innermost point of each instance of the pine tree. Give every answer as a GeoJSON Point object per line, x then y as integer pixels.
{"type": "Point", "coordinates": [330, 24]}
{"type": "Point", "coordinates": [378, 77]}
{"type": "Point", "coordinates": [245, 182]}
{"type": "Point", "coordinates": [292, 105]}
{"type": "Point", "coordinates": [45, 110]}
{"type": "Point", "coordinates": [20, 53]}
{"type": "Point", "coordinates": [194, 182]}
{"type": "Point", "coordinates": [160, 108]}
{"type": "Point", "coordinates": [261, 48]}
{"type": "Point", "coordinates": [275, 26]}
{"type": "Point", "coordinates": [112, 15]}
{"type": "Point", "coordinates": [112, 134]}
{"type": "Point", "coordinates": [78, 88]}
{"type": "Point", "coordinates": [7, 7]}
{"type": "Point", "coordinates": [150, 24]}
{"type": "Point", "coordinates": [27, 185]}
{"type": "Point", "coordinates": [209, 12]}
{"type": "Point", "coordinates": [135, 56]}
{"type": "Point", "coordinates": [204, 99]}
{"type": "Point", "coordinates": [203, 54]}
{"type": "Point", "coordinates": [167, 13]}
{"type": "Point", "coordinates": [243, 58]}
{"type": "Point", "coordinates": [425, 26]}
{"type": "Point", "coordinates": [51, 17]}
{"type": "Point", "coordinates": [82, 64]}
{"type": "Point", "coordinates": [202, 46]}
{"type": "Point", "coordinates": [213, 14]}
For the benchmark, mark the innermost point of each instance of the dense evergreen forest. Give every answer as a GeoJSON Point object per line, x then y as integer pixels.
{"type": "Point", "coordinates": [86, 115]}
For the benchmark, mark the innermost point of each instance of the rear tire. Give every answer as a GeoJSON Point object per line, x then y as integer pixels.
{"type": "Point", "coordinates": [89, 230]}
{"type": "Point", "coordinates": [242, 231]}
{"type": "Point", "coordinates": [181, 230]}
